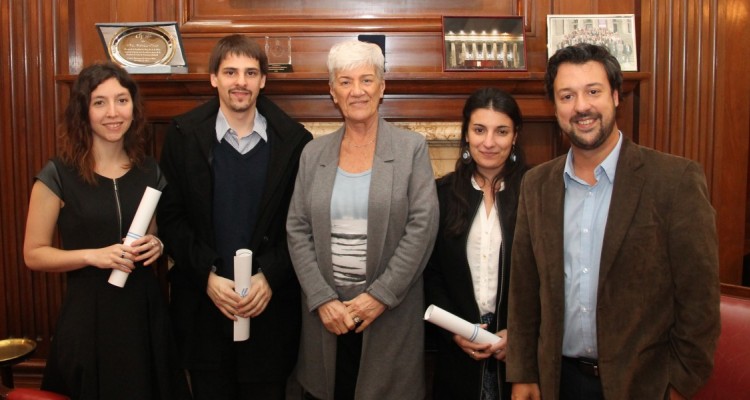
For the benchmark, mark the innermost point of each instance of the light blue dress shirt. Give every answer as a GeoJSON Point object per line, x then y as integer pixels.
{"type": "Point", "coordinates": [586, 209]}
{"type": "Point", "coordinates": [242, 144]}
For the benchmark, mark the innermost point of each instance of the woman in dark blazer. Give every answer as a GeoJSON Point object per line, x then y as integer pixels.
{"type": "Point", "coordinates": [468, 272]}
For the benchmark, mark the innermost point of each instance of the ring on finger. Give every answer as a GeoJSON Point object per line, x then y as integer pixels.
{"type": "Point", "coordinates": [356, 319]}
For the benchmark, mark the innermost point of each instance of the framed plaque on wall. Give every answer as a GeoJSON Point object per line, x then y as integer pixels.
{"type": "Point", "coordinates": [484, 43]}
{"type": "Point", "coordinates": [144, 47]}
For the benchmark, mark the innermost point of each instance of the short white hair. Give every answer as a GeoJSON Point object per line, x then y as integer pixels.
{"type": "Point", "coordinates": [353, 54]}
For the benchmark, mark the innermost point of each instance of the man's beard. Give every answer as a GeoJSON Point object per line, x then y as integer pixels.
{"type": "Point", "coordinates": [240, 106]}
{"type": "Point", "coordinates": [580, 142]}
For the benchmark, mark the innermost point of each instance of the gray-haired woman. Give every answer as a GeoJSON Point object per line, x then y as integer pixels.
{"type": "Point", "coordinates": [361, 227]}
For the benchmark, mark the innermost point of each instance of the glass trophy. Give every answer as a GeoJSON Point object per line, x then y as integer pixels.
{"type": "Point", "coordinates": [279, 52]}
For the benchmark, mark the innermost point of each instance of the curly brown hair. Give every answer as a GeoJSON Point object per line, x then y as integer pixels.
{"type": "Point", "coordinates": [76, 134]}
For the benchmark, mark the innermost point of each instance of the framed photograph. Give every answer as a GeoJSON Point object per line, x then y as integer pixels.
{"type": "Point", "coordinates": [616, 32]}
{"type": "Point", "coordinates": [484, 44]}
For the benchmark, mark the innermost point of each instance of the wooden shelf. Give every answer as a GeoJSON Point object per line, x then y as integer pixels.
{"type": "Point", "coordinates": [459, 82]}
{"type": "Point", "coordinates": [408, 96]}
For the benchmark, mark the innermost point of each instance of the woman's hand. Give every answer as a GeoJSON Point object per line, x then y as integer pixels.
{"type": "Point", "coordinates": [481, 351]}
{"type": "Point", "coordinates": [365, 308]}
{"type": "Point", "coordinates": [116, 256]}
{"type": "Point", "coordinates": [498, 348]}
{"type": "Point", "coordinates": [148, 248]}
{"type": "Point", "coordinates": [335, 317]}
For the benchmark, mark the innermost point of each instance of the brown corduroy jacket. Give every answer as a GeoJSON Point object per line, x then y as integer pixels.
{"type": "Point", "coordinates": [658, 292]}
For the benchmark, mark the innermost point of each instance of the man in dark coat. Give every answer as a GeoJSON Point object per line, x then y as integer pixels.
{"type": "Point", "coordinates": [231, 165]}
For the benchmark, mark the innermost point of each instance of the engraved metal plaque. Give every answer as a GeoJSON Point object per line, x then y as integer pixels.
{"type": "Point", "coordinates": [144, 47]}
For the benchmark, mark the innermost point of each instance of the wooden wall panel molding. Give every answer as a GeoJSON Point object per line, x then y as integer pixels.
{"type": "Point", "coordinates": [691, 106]}
{"type": "Point", "coordinates": [354, 16]}
{"type": "Point", "coordinates": [30, 301]}
{"type": "Point", "coordinates": [730, 131]}
{"type": "Point", "coordinates": [84, 46]}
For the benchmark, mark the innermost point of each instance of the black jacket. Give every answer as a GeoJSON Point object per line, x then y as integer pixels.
{"type": "Point", "coordinates": [448, 285]}
{"type": "Point", "coordinates": [184, 218]}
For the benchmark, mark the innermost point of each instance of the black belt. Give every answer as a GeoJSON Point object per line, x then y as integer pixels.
{"type": "Point", "coordinates": [588, 366]}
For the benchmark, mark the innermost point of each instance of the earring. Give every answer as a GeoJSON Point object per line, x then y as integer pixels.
{"type": "Point", "coordinates": [513, 154]}
{"type": "Point", "coordinates": [466, 156]}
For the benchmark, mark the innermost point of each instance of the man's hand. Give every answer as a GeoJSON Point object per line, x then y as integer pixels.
{"type": "Point", "coordinates": [257, 298]}
{"type": "Point", "coordinates": [674, 394]}
{"type": "Point", "coordinates": [526, 391]}
{"type": "Point", "coordinates": [221, 291]}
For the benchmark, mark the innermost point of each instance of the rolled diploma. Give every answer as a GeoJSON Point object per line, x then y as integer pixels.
{"type": "Point", "coordinates": [459, 326]}
{"type": "Point", "coordinates": [138, 228]}
{"type": "Point", "coordinates": [243, 269]}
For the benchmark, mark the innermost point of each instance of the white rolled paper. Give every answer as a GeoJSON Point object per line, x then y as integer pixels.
{"type": "Point", "coordinates": [459, 326]}
{"type": "Point", "coordinates": [243, 270]}
{"type": "Point", "coordinates": [138, 228]}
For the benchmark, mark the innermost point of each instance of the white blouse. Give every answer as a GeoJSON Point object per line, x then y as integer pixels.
{"type": "Point", "coordinates": [483, 253]}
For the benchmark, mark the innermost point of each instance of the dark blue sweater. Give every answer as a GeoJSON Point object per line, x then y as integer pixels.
{"type": "Point", "coordinates": [239, 180]}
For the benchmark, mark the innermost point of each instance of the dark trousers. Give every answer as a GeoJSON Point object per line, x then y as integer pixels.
{"type": "Point", "coordinates": [222, 384]}
{"type": "Point", "coordinates": [577, 385]}
{"type": "Point", "coordinates": [348, 355]}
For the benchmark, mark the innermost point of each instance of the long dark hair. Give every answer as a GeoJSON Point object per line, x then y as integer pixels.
{"type": "Point", "coordinates": [76, 134]}
{"type": "Point", "coordinates": [457, 217]}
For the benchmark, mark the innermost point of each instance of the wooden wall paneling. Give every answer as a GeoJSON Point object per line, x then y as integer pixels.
{"type": "Point", "coordinates": [348, 16]}
{"type": "Point", "coordinates": [646, 62]}
{"type": "Point", "coordinates": [11, 273]}
{"type": "Point", "coordinates": [694, 104]}
{"type": "Point", "coordinates": [85, 45]}
{"type": "Point", "coordinates": [34, 143]}
{"type": "Point", "coordinates": [536, 37]}
{"type": "Point", "coordinates": [27, 140]}
{"type": "Point", "coordinates": [574, 6]}
{"type": "Point", "coordinates": [133, 10]}
{"type": "Point", "coordinates": [731, 133]}
{"type": "Point", "coordinates": [421, 37]}
{"type": "Point", "coordinates": [405, 52]}
{"type": "Point", "coordinates": [527, 9]}
{"type": "Point", "coordinates": [541, 141]}
{"type": "Point", "coordinates": [6, 126]}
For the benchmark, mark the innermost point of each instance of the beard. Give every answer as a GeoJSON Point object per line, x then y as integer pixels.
{"type": "Point", "coordinates": [581, 141]}
{"type": "Point", "coordinates": [240, 106]}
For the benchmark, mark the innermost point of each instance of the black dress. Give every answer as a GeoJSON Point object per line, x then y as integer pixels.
{"type": "Point", "coordinates": [110, 342]}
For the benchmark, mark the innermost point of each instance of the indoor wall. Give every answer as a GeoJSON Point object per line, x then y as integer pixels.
{"type": "Point", "coordinates": [689, 96]}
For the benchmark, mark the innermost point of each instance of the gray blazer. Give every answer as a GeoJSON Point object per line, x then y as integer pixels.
{"type": "Point", "coordinates": [657, 318]}
{"type": "Point", "coordinates": [401, 228]}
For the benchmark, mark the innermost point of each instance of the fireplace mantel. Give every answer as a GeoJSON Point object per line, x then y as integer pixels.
{"type": "Point", "coordinates": [435, 96]}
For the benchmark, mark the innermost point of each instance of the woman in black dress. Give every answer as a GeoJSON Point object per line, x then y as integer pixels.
{"type": "Point", "coordinates": [110, 342]}
{"type": "Point", "coordinates": [468, 272]}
